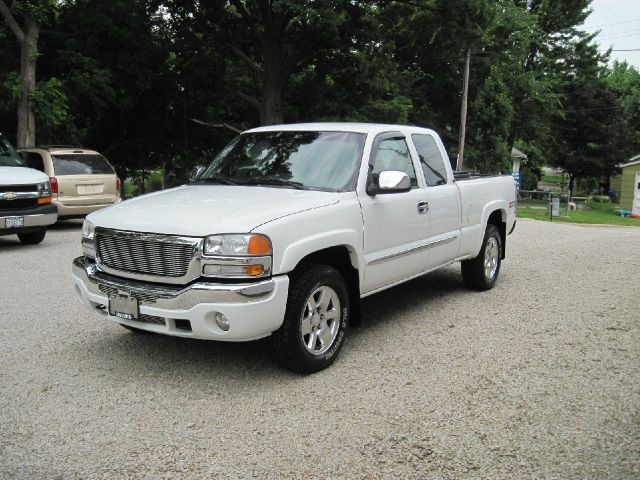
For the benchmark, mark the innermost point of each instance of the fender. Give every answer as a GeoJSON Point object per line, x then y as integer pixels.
{"type": "Point", "coordinates": [488, 209]}
{"type": "Point", "coordinates": [296, 236]}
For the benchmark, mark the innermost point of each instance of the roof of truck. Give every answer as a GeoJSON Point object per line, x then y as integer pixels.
{"type": "Point", "coordinates": [341, 127]}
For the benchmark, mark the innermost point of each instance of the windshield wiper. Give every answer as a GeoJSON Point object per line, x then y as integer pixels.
{"type": "Point", "coordinates": [220, 180]}
{"type": "Point", "coordinates": [277, 181]}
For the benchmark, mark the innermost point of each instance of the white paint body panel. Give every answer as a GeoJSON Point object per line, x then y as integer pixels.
{"type": "Point", "coordinates": [387, 239]}
{"type": "Point", "coordinates": [21, 176]}
{"type": "Point", "coordinates": [199, 210]}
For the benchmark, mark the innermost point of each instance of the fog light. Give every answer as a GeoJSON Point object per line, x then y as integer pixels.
{"type": "Point", "coordinates": [222, 321]}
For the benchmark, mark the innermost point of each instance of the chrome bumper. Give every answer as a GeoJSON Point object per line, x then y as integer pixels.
{"type": "Point", "coordinates": [37, 220]}
{"type": "Point", "coordinates": [169, 296]}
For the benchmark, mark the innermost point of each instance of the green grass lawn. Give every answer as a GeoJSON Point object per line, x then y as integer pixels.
{"type": "Point", "coordinates": [553, 179]}
{"type": "Point", "coordinates": [598, 213]}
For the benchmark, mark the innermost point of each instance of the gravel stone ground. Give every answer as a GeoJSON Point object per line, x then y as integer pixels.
{"type": "Point", "coordinates": [537, 378]}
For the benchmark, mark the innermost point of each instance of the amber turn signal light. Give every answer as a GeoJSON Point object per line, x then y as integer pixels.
{"type": "Point", "coordinates": [259, 245]}
{"type": "Point", "coordinates": [254, 270]}
{"type": "Point", "coordinates": [44, 200]}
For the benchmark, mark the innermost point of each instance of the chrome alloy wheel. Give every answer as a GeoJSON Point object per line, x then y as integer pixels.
{"type": "Point", "coordinates": [491, 257]}
{"type": "Point", "coordinates": [320, 320]}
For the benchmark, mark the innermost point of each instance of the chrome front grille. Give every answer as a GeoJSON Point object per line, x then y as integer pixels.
{"type": "Point", "coordinates": [145, 254]}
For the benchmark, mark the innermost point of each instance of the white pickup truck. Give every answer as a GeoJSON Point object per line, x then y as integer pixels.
{"type": "Point", "coordinates": [286, 230]}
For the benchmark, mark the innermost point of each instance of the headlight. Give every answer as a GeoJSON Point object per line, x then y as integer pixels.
{"type": "Point", "coordinates": [230, 245]}
{"type": "Point", "coordinates": [88, 247]}
{"type": "Point", "coordinates": [44, 189]}
{"type": "Point", "coordinates": [236, 256]}
{"type": "Point", "coordinates": [87, 230]}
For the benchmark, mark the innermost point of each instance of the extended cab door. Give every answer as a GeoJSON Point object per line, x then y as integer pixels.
{"type": "Point", "coordinates": [395, 224]}
{"type": "Point", "coordinates": [444, 199]}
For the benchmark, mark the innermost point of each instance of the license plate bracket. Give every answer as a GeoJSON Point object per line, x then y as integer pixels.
{"type": "Point", "coordinates": [124, 306]}
{"type": "Point", "coordinates": [13, 222]}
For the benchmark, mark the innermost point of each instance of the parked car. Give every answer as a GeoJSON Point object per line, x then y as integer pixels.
{"type": "Point", "coordinates": [26, 208]}
{"type": "Point", "coordinates": [285, 231]}
{"type": "Point", "coordinates": [82, 181]}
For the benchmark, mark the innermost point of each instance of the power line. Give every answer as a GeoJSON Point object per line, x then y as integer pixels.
{"type": "Point", "coordinates": [627, 50]}
{"type": "Point", "coordinates": [620, 33]}
{"type": "Point", "coordinates": [615, 37]}
{"type": "Point", "coordinates": [611, 24]}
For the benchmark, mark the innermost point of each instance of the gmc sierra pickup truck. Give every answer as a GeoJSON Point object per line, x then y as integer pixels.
{"type": "Point", "coordinates": [25, 198]}
{"type": "Point", "coordinates": [286, 230]}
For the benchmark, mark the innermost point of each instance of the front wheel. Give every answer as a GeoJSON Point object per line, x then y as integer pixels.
{"type": "Point", "coordinates": [33, 238]}
{"type": "Point", "coordinates": [481, 273]}
{"type": "Point", "coordinates": [315, 322]}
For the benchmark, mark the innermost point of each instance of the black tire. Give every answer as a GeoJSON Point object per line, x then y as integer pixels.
{"type": "Point", "coordinates": [33, 238]}
{"type": "Point", "coordinates": [473, 271]}
{"type": "Point", "coordinates": [138, 331]}
{"type": "Point", "coordinates": [290, 348]}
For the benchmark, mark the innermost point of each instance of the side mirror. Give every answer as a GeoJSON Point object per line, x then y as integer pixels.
{"type": "Point", "coordinates": [390, 181]}
{"type": "Point", "coordinates": [195, 172]}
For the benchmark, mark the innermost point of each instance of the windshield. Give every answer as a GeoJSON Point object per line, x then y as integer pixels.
{"type": "Point", "coordinates": [81, 164]}
{"type": "Point", "coordinates": [8, 156]}
{"type": "Point", "coordinates": [325, 161]}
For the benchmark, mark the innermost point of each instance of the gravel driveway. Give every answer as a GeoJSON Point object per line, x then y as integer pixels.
{"type": "Point", "coordinates": [539, 377]}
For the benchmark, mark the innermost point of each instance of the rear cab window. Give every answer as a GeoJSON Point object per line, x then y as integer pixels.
{"type": "Point", "coordinates": [431, 161]}
{"type": "Point", "coordinates": [81, 164]}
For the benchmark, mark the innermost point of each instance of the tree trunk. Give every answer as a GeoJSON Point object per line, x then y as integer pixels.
{"type": "Point", "coordinates": [26, 135]}
{"type": "Point", "coordinates": [272, 82]}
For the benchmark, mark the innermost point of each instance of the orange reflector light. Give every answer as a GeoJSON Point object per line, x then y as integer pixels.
{"type": "Point", "coordinates": [258, 245]}
{"type": "Point", "coordinates": [44, 200]}
{"type": "Point", "coordinates": [254, 270]}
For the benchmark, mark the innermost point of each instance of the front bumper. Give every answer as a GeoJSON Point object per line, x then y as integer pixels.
{"type": "Point", "coordinates": [34, 218]}
{"type": "Point", "coordinates": [254, 310]}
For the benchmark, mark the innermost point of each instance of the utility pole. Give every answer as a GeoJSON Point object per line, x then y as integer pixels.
{"type": "Point", "coordinates": [463, 111]}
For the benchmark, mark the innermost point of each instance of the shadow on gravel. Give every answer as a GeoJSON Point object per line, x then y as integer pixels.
{"type": "Point", "coordinates": [201, 362]}
{"type": "Point", "coordinates": [185, 360]}
{"type": "Point", "coordinates": [66, 225]}
{"type": "Point", "coordinates": [396, 303]}
{"type": "Point", "coordinates": [11, 242]}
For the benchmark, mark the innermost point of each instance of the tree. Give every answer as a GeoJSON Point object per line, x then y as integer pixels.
{"type": "Point", "coordinates": [592, 135]}
{"type": "Point", "coordinates": [624, 80]}
{"type": "Point", "coordinates": [33, 13]}
{"type": "Point", "coordinates": [276, 39]}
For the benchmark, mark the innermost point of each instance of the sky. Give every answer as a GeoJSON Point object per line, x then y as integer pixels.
{"type": "Point", "coordinates": [619, 25]}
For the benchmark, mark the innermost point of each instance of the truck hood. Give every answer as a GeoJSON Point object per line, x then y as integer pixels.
{"type": "Point", "coordinates": [21, 176]}
{"type": "Point", "coordinates": [199, 210]}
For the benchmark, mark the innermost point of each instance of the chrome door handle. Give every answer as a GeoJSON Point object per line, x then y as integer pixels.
{"type": "Point", "coordinates": [423, 207]}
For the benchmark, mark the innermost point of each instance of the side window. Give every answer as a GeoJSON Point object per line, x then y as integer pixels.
{"type": "Point", "coordinates": [393, 154]}
{"type": "Point", "coordinates": [431, 160]}
{"type": "Point", "coordinates": [33, 160]}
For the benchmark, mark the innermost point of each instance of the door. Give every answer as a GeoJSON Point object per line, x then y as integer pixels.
{"type": "Point", "coordinates": [396, 224]}
{"type": "Point", "coordinates": [636, 195]}
{"type": "Point", "coordinates": [444, 201]}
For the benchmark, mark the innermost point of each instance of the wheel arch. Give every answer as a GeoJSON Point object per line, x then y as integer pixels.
{"type": "Point", "coordinates": [340, 257]}
{"type": "Point", "coordinates": [499, 219]}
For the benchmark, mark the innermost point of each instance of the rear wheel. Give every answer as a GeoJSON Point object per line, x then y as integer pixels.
{"type": "Point", "coordinates": [314, 327]}
{"type": "Point", "coordinates": [481, 273]}
{"type": "Point", "coordinates": [33, 238]}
